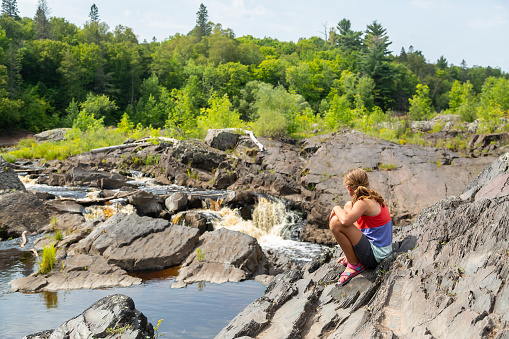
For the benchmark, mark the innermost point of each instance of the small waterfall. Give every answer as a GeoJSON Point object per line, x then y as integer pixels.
{"type": "Point", "coordinates": [271, 218]}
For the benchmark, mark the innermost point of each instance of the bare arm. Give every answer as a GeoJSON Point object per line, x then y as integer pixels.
{"type": "Point", "coordinates": [350, 214]}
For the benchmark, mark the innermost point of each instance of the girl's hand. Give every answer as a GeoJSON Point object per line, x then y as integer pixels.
{"type": "Point", "coordinates": [341, 259]}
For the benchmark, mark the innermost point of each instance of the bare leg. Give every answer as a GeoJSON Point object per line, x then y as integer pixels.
{"type": "Point", "coordinates": [347, 236]}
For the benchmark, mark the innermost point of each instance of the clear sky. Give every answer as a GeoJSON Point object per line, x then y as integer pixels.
{"type": "Point", "coordinates": [473, 30]}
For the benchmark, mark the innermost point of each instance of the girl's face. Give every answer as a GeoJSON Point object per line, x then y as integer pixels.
{"type": "Point", "coordinates": [350, 190]}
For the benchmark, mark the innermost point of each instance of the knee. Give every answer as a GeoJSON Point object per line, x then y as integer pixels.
{"type": "Point", "coordinates": [335, 225]}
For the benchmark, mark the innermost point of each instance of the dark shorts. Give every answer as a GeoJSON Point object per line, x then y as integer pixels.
{"type": "Point", "coordinates": [364, 252]}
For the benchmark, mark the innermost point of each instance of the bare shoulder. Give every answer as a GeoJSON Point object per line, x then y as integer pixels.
{"type": "Point", "coordinates": [348, 206]}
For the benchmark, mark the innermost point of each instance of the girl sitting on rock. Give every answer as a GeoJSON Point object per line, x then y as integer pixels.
{"type": "Point", "coordinates": [363, 228]}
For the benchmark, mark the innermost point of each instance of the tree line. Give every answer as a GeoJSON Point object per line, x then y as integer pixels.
{"type": "Point", "coordinates": [53, 72]}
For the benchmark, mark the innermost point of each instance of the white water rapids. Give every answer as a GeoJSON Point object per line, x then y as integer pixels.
{"type": "Point", "coordinates": [272, 222]}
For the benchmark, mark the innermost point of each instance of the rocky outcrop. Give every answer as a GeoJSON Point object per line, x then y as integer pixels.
{"type": "Point", "coordinates": [222, 256]}
{"type": "Point", "coordinates": [21, 211]}
{"type": "Point", "coordinates": [77, 272]}
{"type": "Point", "coordinates": [9, 181]}
{"type": "Point", "coordinates": [114, 316]}
{"type": "Point", "coordinates": [410, 178]}
{"type": "Point", "coordinates": [137, 243]}
{"type": "Point", "coordinates": [447, 279]}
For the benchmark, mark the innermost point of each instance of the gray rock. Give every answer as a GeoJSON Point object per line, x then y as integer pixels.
{"type": "Point", "coordinates": [113, 312]}
{"type": "Point", "coordinates": [65, 206]}
{"type": "Point", "coordinates": [77, 272]}
{"type": "Point", "coordinates": [422, 176]}
{"type": "Point", "coordinates": [137, 243]}
{"type": "Point", "coordinates": [222, 139]}
{"type": "Point", "coordinates": [223, 256]}
{"type": "Point", "coordinates": [21, 211]}
{"type": "Point", "coordinates": [449, 284]}
{"type": "Point", "coordinates": [146, 203]}
{"type": "Point", "coordinates": [57, 134]}
{"type": "Point", "coordinates": [176, 202]}
{"type": "Point", "coordinates": [9, 181]}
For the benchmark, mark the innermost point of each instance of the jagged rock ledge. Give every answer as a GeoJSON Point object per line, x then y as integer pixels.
{"type": "Point", "coordinates": [448, 279]}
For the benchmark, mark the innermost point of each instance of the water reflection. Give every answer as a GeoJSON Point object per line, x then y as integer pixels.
{"type": "Point", "coordinates": [50, 299]}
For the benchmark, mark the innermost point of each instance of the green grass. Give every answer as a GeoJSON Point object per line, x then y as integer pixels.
{"type": "Point", "coordinates": [387, 166]}
{"type": "Point", "coordinates": [58, 236]}
{"type": "Point", "coordinates": [77, 143]}
{"type": "Point", "coordinates": [48, 259]}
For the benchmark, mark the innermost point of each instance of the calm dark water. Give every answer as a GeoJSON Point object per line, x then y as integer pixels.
{"type": "Point", "coordinates": [198, 311]}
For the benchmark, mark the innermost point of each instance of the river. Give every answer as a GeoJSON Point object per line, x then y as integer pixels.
{"type": "Point", "coordinates": [200, 310]}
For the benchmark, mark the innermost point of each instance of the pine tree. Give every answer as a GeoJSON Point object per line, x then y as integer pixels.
{"type": "Point", "coordinates": [42, 25]}
{"type": "Point", "coordinates": [94, 13]}
{"type": "Point", "coordinates": [10, 8]}
{"type": "Point", "coordinates": [203, 27]}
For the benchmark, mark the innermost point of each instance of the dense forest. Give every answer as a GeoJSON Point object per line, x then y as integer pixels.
{"type": "Point", "coordinates": [56, 74]}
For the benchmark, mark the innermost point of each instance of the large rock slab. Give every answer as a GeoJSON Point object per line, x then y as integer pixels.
{"type": "Point", "coordinates": [446, 279]}
{"type": "Point", "coordinates": [137, 243]}
{"type": "Point", "coordinates": [420, 177]}
{"type": "Point", "coordinates": [77, 272]}
{"type": "Point", "coordinates": [223, 255]}
{"type": "Point", "coordinates": [104, 319]}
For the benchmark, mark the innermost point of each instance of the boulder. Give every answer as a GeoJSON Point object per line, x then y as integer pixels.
{"type": "Point", "coordinates": [445, 279]}
{"type": "Point", "coordinates": [9, 181]}
{"type": "Point", "coordinates": [222, 139]}
{"type": "Point", "coordinates": [21, 211]}
{"type": "Point", "coordinates": [57, 134]}
{"type": "Point", "coordinates": [106, 318]}
{"type": "Point", "coordinates": [176, 202]}
{"type": "Point", "coordinates": [146, 203]}
{"type": "Point", "coordinates": [200, 220]}
{"type": "Point", "coordinates": [222, 256]}
{"type": "Point", "coordinates": [137, 243]}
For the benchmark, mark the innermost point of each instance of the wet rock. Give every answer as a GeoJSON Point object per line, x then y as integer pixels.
{"type": "Point", "coordinates": [79, 176]}
{"type": "Point", "coordinates": [222, 256]}
{"type": "Point", "coordinates": [146, 203]}
{"type": "Point", "coordinates": [57, 134]}
{"type": "Point", "coordinates": [104, 319]}
{"type": "Point", "coordinates": [176, 202]}
{"type": "Point", "coordinates": [446, 279]}
{"type": "Point", "coordinates": [65, 206]}
{"type": "Point", "coordinates": [137, 243]}
{"type": "Point", "coordinates": [196, 219]}
{"type": "Point", "coordinates": [21, 211]}
{"type": "Point", "coordinates": [77, 272]}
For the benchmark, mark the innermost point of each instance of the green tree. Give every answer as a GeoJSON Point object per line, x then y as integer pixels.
{"type": "Point", "coordinates": [101, 107]}
{"type": "Point", "coordinates": [181, 121]}
{"type": "Point", "coordinates": [41, 21]}
{"type": "Point", "coordinates": [276, 111]}
{"type": "Point", "coordinates": [339, 112]}
{"type": "Point", "coordinates": [219, 114]}
{"type": "Point", "coordinates": [94, 14]}
{"type": "Point", "coordinates": [10, 8]}
{"type": "Point", "coordinates": [420, 104]}
{"type": "Point", "coordinates": [462, 100]}
{"type": "Point", "coordinates": [203, 26]}
{"type": "Point", "coordinates": [347, 38]}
